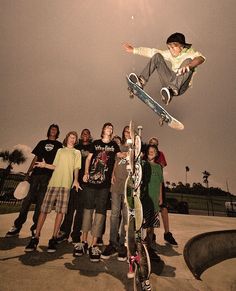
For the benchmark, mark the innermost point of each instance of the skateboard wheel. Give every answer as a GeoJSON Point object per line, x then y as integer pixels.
{"type": "Point", "coordinates": [161, 122]}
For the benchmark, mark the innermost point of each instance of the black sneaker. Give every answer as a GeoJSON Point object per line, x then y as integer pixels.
{"type": "Point", "coordinates": [14, 231]}
{"type": "Point", "coordinates": [168, 237]}
{"type": "Point", "coordinates": [166, 95]}
{"type": "Point", "coordinates": [94, 254]}
{"type": "Point", "coordinates": [109, 251]}
{"type": "Point", "coordinates": [62, 237]}
{"type": "Point", "coordinates": [99, 242]}
{"type": "Point", "coordinates": [80, 249]}
{"type": "Point", "coordinates": [52, 245]}
{"type": "Point", "coordinates": [146, 285]}
{"type": "Point", "coordinates": [122, 253]}
{"type": "Point", "coordinates": [32, 246]}
{"type": "Point", "coordinates": [153, 256]}
{"type": "Point", "coordinates": [75, 241]}
{"type": "Point", "coordinates": [137, 80]}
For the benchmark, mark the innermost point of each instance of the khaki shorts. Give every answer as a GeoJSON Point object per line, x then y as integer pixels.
{"type": "Point", "coordinates": [58, 196]}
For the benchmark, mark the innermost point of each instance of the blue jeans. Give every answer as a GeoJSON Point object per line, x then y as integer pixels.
{"type": "Point", "coordinates": [74, 215]}
{"type": "Point", "coordinates": [118, 219]}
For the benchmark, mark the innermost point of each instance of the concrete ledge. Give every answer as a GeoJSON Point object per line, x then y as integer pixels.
{"type": "Point", "coordinates": [207, 249]}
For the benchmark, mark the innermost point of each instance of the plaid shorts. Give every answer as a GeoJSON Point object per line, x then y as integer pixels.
{"type": "Point", "coordinates": [58, 196]}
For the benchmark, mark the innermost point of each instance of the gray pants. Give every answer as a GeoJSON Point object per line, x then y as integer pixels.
{"type": "Point", "coordinates": [168, 77]}
{"type": "Point", "coordinates": [95, 201]}
{"type": "Point", "coordinates": [118, 219]}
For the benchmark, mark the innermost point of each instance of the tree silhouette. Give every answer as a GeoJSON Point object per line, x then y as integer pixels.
{"type": "Point", "coordinates": [186, 175]}
{"type": "Point", "coordinates": [14, 157]}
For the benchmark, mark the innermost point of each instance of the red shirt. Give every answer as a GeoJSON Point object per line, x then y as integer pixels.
{"type": "Point", "coordinates": [161, 159]}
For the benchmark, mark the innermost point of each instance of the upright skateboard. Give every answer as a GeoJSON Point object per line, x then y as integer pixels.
{"type": "Point", "coordinates": [139, 262]}
{"type": "Point", "coordinates": [155, 106]}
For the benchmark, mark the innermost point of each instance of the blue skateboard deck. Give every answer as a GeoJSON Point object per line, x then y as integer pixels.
{"type": "Point", "coordinates": [156, 107]}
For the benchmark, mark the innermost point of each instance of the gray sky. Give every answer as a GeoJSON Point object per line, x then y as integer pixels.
{"type": "Point", "coordinates": [62, 62]}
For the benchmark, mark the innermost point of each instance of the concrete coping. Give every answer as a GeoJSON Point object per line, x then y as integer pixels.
{"type": "Point", "coordinates": [207, 249]}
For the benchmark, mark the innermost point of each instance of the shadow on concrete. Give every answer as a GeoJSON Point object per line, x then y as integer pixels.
{"type": "Point", "coordinates": [9, 243]}
{"type": "Point", "coordinates": [166, 250]}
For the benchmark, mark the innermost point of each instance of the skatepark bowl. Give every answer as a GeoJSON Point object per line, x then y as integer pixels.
{"type": "Point", "coordinates": [207, 249]}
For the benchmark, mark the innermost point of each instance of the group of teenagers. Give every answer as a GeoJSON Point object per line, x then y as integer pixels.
{"type": "Point", "coordinates": [78, 178]}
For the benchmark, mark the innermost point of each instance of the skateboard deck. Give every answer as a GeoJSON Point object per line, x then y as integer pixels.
{"type": "Point", "coordinates": [155, 106]}
{"type": "Point", "coordinates": [139, 262]}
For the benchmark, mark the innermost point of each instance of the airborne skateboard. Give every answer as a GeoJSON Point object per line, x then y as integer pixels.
{"type": "Point", "coordinates": [155, 106]}
{"type": "Point", "coordinates": [139, 262]}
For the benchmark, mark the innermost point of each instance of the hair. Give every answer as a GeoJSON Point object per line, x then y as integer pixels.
{"type": "Point", "coordinates": [123, 139]}
{"type": "Point", "coordinates": [155, 138]}
{"type": "Point", "coordinates": [157, 152]}
{"type": "Point", "coordinates": [104, 126]}
{"type": "Point", "coordinates": [85, 129]}
{"type": "Point", "coordinates": [90, 137]}
{"type": "Point", "coordinates": [49, 129]}
{"type": "Point", "coordinates": [67, 136]}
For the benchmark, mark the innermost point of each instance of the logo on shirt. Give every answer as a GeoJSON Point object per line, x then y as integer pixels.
{"type": "Point", "coordinates": [49, 147]}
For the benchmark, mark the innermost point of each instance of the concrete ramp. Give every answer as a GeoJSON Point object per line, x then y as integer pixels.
{"type": "Point", "coordinates": [207, 249]}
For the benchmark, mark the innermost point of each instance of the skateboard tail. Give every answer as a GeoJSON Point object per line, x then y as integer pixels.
{"type": "Point", "coordinates": [175, 124]}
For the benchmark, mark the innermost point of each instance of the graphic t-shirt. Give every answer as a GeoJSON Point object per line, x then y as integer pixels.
{"type": "Point", "coordinates": [102, 163]}
{"type": "Point", "coordinates": [45, 149]}
{"type": "Point", "coordinates": [65, 162]}
{"type": "Point", "coordinates": [85, 150]}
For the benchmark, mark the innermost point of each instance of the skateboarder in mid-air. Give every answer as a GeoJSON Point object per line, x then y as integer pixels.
{"type": "Point", "coordinates": [183, 61]}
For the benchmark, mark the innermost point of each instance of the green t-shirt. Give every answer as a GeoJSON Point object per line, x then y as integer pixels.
{"type": "Point", "coordinates": [65, 162]}
{"type": "Point", "coordinates": [152, 180]}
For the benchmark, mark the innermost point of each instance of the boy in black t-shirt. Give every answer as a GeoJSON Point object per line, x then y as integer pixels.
{"type": "Point", "coordinates": [97, 176]}
{"type": "Point", "coordinates": [39, 178]}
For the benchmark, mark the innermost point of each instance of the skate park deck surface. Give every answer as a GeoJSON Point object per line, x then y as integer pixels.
{"type": "Point", "coordinates": [61, 271]}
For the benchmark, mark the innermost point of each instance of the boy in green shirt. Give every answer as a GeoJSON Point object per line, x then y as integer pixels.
{"type": "Point", "coordinates": [151, 196]}
{"type": "Point", "coordinates": [66, 167]}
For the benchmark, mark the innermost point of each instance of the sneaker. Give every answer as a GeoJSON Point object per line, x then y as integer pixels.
{"type": "Point", "coordinates": [52, 245]}
{"type": "Point", "coordinates": [137, 80]}
{"type": "Point", "coordinates": [75, 241]}
{"type": "Point", "coordinates": [166, 95]}
{"type": "Point", "coordinates": [80, 249]}
{"type": "Point", "coordinates": [14, 231]}
{"type": "Point", "coordinates": [122, 253]}
{"type": "Point", "coordinates": [168, 237]}
{"type": "Point", "coordinates": [153, 256]}
{"type": "Point", "coordinates": [99, 242]}
{"type": "Point", "coordinates": [94, 254]}
{"type": "Point", "coordinates": [146, 286]}
{"type": "Point", "coordinates": [32, 246]}
{"type": "Point", "coordinates": [62, 237]}
{"type": "Point", "coordinates": [109, 251]}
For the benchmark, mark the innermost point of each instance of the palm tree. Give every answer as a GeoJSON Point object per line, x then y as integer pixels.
{"type": "Point", "coordinates": [15, 157]}
{"type": "Point", "coordinates": [186, 175]}
{"type": "Point", "coordinates": [205, 181]}
{"type": "Point", "coordinates": [205, 177]}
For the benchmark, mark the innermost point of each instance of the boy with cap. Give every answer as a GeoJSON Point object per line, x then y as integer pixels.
{"type": "Point", "coordinates": [182, 58]}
